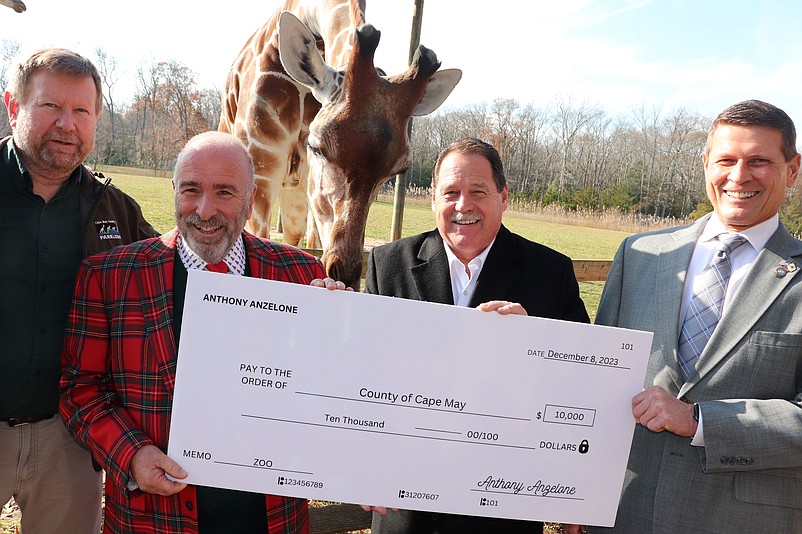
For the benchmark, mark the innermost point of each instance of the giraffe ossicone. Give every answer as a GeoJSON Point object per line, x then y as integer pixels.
{"type": "Point", "coordinates": [16, 5]}
{"type": "Point", "coordinates": [325, 129]}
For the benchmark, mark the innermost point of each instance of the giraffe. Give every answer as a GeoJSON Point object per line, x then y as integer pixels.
{"type": "Point", "coordinates": [324, 126]}
{"type": "Point", "coordinates": [16, 5]}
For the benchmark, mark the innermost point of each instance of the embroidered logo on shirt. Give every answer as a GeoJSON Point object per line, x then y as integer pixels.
{"type": "Point", "coordinates": [107, 230]}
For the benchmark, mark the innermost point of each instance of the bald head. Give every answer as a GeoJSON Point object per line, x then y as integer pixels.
{"type": "Point", "coordinates": [214, 192]}
{"type": "Point", "coordinates": [221, 143]}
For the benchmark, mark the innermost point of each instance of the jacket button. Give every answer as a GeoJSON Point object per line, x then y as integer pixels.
{"type": "Point", "coordinates": [189, 506]}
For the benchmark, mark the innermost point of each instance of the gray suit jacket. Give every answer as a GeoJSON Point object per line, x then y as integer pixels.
{"type": "Point", "coordinates": [748, 383]}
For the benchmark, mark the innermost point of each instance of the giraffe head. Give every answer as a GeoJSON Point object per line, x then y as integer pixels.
{"type": "Point", "coordinates": [359, 138]}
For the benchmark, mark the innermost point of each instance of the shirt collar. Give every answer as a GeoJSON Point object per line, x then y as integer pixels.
{"type": "Point", "coordinates": [757, 235]}
{"type": "Point", "coordinates": [235, 259]}
{"type": "Point", "coordinates": [24, 178]}
{"type": "Point", "coordinates": [478, 260]}
{"type": "Point", "coordinates": [13, 155]}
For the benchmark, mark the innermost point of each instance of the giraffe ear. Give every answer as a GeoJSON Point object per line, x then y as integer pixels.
{"type": "Point", "coordinates": [301, 59]}
{"type": "Point", "coordinates": [440, 86]}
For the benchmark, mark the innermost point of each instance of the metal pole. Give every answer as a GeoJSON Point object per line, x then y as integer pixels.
{"type": "Point", "coordinates": [401, 179]}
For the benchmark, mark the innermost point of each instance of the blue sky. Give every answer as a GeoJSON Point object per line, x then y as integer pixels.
{"type": "Point", "coordinates": [702, 55]}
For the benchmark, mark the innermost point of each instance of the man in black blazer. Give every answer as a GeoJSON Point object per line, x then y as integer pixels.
{"type": "Point", "coordinates": [472, 260]}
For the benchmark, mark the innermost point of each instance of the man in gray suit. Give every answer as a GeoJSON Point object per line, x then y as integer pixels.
{"type": "Point", "coordinates": [718, 447]}
{"type": "Point", "coordinates": [472, 260]}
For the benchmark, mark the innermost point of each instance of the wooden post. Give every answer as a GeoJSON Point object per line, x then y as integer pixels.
{"type": "Point", "coordinates": [401, 179]}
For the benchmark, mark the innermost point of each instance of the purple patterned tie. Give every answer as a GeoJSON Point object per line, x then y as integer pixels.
{"type": "Point", "coordinates": [704, 311]}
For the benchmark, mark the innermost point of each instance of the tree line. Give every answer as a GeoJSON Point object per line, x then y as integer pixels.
{"type": "Point", "coordinates": [569, 154]}
{"type": "Point", "coordinates": [580, 157]}
{"type": "Point", "coordinates": [167, 109]}
{"type": "Point", "coordinates": [577, 156]}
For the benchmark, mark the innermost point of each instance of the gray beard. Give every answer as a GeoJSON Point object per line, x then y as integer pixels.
{"type": "Point", "coordinates": [211, 252]}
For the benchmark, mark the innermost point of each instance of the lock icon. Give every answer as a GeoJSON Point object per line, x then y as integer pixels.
{"type": "Point", "coordinates": [584, 446]}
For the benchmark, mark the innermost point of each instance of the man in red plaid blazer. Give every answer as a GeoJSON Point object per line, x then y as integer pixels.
{"type": "Point", "coordinates": [121, 346]}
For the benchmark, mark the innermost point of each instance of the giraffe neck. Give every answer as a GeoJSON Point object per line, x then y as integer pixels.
{"type": "Point", "coordinates": [333, 22]}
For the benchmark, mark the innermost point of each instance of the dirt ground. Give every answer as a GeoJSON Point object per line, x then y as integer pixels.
{"type": "Point", "coordinates": [9, 518]}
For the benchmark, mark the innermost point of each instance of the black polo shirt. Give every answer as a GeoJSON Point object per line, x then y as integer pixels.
{"type": "Point", "coordinates": [40, 251]}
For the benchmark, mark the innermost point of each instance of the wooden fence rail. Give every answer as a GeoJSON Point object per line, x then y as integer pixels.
{"type": "Point", "coordinates": [339, 518]}
{"type": "Point", "coordinates": [585, 270]}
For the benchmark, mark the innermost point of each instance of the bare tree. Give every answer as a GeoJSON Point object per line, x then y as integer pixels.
{"type": "Point", "coordinates": [181, 98]}
{"type": "Point", "coordinates": [648, 122]}
{"type": "Point", "coordinates": [8, 50]}
{"type": "Point", "coordinates": [502, 120]}
{"type": "Point", "coordinates": [210, 107]}
{"type": "Point", "coordinates": [168, 110]}
{"type": "Point", "coordinates": [473, 121]}
{"type": "Point", "coordinates": [682, 178]}
{"type": "Point", "coordinates": [568, 122]}
{"type": "Point", "coordinates": [530, 126]}
{"type": "Point", "coordinates": [107, 68]}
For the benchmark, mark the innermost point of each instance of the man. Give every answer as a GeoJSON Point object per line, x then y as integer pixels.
{"type": "Point", "coordinates": [471, 259]}
{"type": "Point", "coordinates": [53, 213]}
{"type": "Point", "coordinates": [718, 447]}
{"type": "Point", "coordinates": [121, 345]}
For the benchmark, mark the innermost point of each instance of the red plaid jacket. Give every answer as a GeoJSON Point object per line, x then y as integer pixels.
{"type": "Point", "coordinates": [118, 376]}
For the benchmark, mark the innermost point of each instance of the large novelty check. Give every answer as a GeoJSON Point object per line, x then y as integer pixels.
{"type": "Point", "coordinates": [298, 391]}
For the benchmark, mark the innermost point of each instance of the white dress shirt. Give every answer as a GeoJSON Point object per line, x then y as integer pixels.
{"type": "Point", "coordinates": [463, 282]}
{"type": "Point", "coordinates": [235, 259]}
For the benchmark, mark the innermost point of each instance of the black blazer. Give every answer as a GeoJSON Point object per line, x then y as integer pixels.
{"type": "Point", "coordinates": [540, 279]}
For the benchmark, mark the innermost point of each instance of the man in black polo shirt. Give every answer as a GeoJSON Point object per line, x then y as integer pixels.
{"type": "Point", "coordinates": [53, 213]}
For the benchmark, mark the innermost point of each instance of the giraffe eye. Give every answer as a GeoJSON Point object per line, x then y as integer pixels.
{"type": "Point", "coordinates": [313, 147]}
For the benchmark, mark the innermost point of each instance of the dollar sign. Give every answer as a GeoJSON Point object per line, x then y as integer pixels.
{"type": "Point", "coordinates": [538, 414]}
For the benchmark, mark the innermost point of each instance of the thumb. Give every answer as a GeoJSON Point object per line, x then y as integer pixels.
{"type": "Point", "coordinates": [172, 468]}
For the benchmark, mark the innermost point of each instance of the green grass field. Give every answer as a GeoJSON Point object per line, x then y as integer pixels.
{"type": "Point", "coordinates": [155, 196]}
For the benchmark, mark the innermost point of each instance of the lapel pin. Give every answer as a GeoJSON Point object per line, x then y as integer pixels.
{"type": "Point", "coordinates": [786, 266]}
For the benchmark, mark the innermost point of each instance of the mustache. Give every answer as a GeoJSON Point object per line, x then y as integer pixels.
{"type": "Point", "coordinates": [216, 220]}
{"type": "Point", "coordinates": [63, 137]}
{"type": "Point", "coordinates": [459, 217]}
